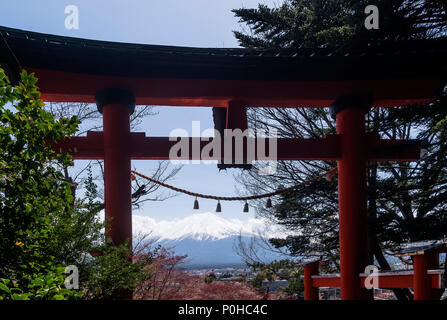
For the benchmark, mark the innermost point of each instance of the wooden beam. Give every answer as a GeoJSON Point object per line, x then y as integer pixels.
{"type": "Point", "coordinates": [157, 148]}
{"type": "Point", "coordinates": [387, 280]}
{"type": "Point", "coordinates": [88, 147]}
{"type": "Point", "coordinates": [325, 280]}
{"type": "Point", "coordinates": [57, 86]}
{"type": "Point", "coordinates": [392, 149]}
{"type": "Point", "coordinates": [237, 115]}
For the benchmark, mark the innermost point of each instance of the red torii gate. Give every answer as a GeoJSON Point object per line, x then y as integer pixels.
{"type": "Point", "coordinates": [118, 76]}
{"type": "Point", "coordinates": [426, 279]}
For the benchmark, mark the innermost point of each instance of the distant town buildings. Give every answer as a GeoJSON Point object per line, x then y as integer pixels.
{"type": "Point", "coordinates": [246, 274]}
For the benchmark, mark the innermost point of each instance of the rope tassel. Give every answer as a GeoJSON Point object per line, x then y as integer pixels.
{"type": "Point", "coordinates": [268, 205]}
{"type": "Point", "coordinates": [196, 204]}
{"type": "Point", "coordinates": [328, 175]}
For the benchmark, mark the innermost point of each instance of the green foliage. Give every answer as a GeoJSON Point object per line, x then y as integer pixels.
{"type": "Point", "coordinates": [283, 269]}
{"type": "Point", "coordinates": [42, 226]}
{"type": "Point", "coordinates": [210, 278]}
{"type": "Point", "coordinates": [112, 275]}
{"type": "Point", "coordinates": [77, 231]}
{"type": "Point", "coordinates": [295, 286]}
{"type": "Point", "coordinates": [32, 191]}
{"type": "Point", "coordinates": [42, 286]}
{"type": "Point", "coordinates": [256, 282]}
{"type": "Point", "coordinates": [338, 23]}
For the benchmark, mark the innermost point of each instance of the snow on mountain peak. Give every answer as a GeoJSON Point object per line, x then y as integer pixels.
{"type": "Point", "coordinates": [198, 226]}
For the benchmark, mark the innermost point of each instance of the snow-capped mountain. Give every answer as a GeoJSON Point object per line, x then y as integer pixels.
{"type": "Point", "coordinates": [207, 238]}
{"type": "Point", "coordinates": [199, 226]}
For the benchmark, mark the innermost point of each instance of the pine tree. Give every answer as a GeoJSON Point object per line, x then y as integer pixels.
{"type": "Point", "coordinates": [338, 23]}
{"type": "Point", "coordinates": [406, 200]}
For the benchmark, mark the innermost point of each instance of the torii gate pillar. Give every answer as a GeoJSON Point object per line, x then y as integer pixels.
{"type": "Point", "coordinates": [116, 105]}
{"type": "Point", "coordinates": [352, 193]}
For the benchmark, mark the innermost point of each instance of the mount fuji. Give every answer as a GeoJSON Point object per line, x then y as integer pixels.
{"type": "Point", "coordinates": [208, 239]}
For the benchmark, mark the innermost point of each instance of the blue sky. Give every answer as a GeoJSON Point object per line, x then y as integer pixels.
{"type": "Point", "coordinates": [200, 23]}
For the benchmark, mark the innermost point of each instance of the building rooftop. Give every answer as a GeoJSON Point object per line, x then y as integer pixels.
{"type": "Point", "coordinates": [421, 247]}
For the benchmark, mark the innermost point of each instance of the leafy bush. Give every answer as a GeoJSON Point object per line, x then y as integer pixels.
{"type": "Point", "coordinates": [31, 191]}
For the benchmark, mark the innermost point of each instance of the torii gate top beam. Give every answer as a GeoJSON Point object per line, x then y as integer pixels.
{"type": "Point", "coordinates": [73, 70]}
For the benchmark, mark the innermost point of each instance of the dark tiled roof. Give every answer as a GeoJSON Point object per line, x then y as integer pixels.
{"type": "Point", "coordinates": [310, 261]}
{"type": "Point", "coordinates": [420, 247]}
{"type": "Point", "coordinates": [424, 58]}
